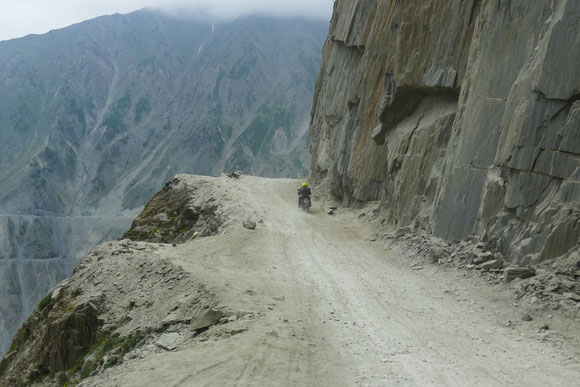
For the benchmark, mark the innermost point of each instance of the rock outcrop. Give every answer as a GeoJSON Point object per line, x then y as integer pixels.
{"type": "Point", "coordinates": [189, 206]}
{"type": "Point", "coordinates": [138, 293]}
{"type": "Point", "coordinates": [461, 117]}
{"type": "Point", "coordinates": [123, 293]}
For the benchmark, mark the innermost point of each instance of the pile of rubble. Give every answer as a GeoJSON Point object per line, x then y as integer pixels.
{"type": "Point", "coordinates": [550, 285]}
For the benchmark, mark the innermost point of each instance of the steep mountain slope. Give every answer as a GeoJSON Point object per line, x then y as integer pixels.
{"type": "Point", "coordinates": [462, 118]}
{"type": "Point", "coordinates": [103, 101]}
{"type": "Point", "coordinates": [94, 118]}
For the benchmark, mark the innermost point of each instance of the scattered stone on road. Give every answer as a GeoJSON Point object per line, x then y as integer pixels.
{"type": "Point", "coordinates": [235, 174]}
{"type": "Point", "coordinates": [249, 224]}
{"type": "Point", "coordinates": [168, 341]}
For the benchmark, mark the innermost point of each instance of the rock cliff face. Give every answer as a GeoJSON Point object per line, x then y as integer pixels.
{"type": "Point", "coordinates": [461, 117]}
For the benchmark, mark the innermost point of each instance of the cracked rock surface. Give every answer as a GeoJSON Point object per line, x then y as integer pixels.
{"type": "Point", "coordinates": [461, 117]}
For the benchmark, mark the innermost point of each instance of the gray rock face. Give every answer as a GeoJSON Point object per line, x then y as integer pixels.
{"type": "Point", "coordinates": [462, 117]}
{"type": "Point", "coordinates": [94, 118]}
{"type": "Point", "coordinates": [70, 337]}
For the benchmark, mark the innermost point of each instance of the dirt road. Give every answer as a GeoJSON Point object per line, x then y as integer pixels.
{"type": "Point", "coordinates": [318, 304]}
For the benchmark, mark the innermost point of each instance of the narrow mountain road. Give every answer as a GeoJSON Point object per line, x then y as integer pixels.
{"type": "Point", "coordinates": [320, 305]}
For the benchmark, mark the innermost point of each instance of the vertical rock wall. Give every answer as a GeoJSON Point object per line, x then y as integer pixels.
{"type": "Point", "coordinates": [462, 117]}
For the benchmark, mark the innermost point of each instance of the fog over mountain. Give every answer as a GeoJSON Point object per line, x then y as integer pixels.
{"type": "Point", "coordinates": [25, 17]}
{"type": "Point", "coordinates": [94, 118]}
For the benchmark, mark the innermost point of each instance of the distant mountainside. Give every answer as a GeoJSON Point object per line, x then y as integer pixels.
{"type": "Point", "coordinates": [94, 118]}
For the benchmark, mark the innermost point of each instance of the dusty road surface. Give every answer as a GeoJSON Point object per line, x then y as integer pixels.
{"type": "Point", "coordinates": [318, 304]}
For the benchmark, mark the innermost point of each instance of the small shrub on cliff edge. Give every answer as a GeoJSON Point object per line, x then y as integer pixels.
{"type": "Point", "coordinates": [13, 347]}
{"type": "Point", "coordinates": [109, 344]}
{"type": "Point", "coordinates": [129, 343]}
{"type": "Point", "coordinates": [45, 301]}
{"type": "Point", "coordinates": [99, 350]}
{"type": "Point", "coordinates": [63, 379]}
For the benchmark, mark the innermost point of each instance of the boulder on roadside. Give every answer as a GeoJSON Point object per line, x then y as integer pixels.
{"type": "Point", "coordinates": [403, 231]}
{"type": "Point", "coordinates": [474, 252]}
{"type": "Point", "coordinates": [209, 318]}
{"type": "Point", "coordinates": [482, 257]}
{"type": "Point", "coordinates": [519, 272]}
{"type": "Point", "coordinates": [493, 264]}
{"type": "Point", "coordinates": [436, 254]}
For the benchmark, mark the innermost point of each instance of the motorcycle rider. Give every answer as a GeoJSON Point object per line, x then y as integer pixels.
{"type": "Point", "coordinates": [303, 192]}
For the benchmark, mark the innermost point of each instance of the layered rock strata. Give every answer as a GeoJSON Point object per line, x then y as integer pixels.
{"type": "Point", "coordinates": [462, 118]}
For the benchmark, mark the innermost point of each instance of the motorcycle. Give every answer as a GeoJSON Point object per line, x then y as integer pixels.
{"type": "Point", "coordinates": [305, 204]}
